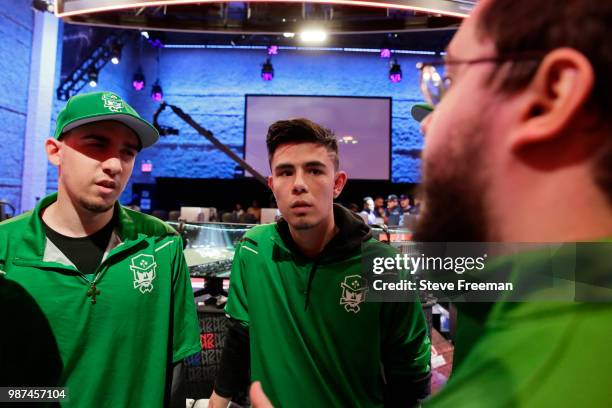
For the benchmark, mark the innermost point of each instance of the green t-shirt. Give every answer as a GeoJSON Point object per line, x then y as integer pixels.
{"type": "Point", "coordinates": [314, 341]}
{"type": "Point", "coordinates": [114, 352]}
{"type": "Point", "coordinates": [537, 353]}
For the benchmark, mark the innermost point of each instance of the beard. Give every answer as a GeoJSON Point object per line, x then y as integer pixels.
{"type": "Point", "coordinates": [95, 207]}
{"type": "Point", "coordinates": [303, 225]}
{"type": "Point", "coordinates": [454, 207]}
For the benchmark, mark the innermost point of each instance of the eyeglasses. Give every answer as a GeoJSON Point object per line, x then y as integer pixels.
{"type": "Point", "coordinates": [434, 85]}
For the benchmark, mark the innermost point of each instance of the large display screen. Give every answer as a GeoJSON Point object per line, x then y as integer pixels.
{"type": "Point", "coordinates": [361, 125]}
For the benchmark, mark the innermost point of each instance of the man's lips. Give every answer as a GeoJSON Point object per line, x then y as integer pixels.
{"type": "Point", "coordinates": [107, 184]}
{"type": "Point", "coordinates": [300, 205]}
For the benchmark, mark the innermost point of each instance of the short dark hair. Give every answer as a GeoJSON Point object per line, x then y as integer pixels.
{"type": "Point", "coordinates": [526, 26]}
{"type": "Point", "coordinates": [519, 27]}
{"type": "Point", "coordinates": [301, 130]}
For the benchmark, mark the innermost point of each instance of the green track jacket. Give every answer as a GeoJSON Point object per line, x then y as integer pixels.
{"type": "Point", "coordinates": [315, 340]}
{"type": "Point", "coordinates": [111, 353]}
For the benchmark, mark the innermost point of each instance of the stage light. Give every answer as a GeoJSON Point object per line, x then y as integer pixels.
{"type": "Point", "coordinates": [145, 34]}
{"type": "Point", "coordinates": [115, 54]}
{"type": "Point", "coordinates": [42, 5]}
{"type": "Point", "coordinates": [395, 72]}
{"type": "Point", "coordinates": [156, 39]}
{"type": "Point", "coordinates": [288, 35]}
{"type": "Point", "coordinates": [267, 70]}
{"type": "Point", "coordinates": [156, 92]}
{"type": "Point", "coordinates": [272, 49]}
{"type": "Point", "coordinates": [313, 35]}
{"type": "Point", "coordinates": [385, 53]}
{"type": "Point", "coordinates": [138, 81]}
{"type": "Point", "coordinates": [92, 77]}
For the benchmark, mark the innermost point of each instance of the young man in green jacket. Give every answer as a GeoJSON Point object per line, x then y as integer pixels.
{"type": "Point", "coordinates": [110, 285]}
{"type": "Point", "coordinates": [297, 302]}
{"type": "Point", "coordinates": [519, 149]}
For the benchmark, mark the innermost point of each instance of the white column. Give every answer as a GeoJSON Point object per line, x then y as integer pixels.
{"type": "Point", "coordinates": [40, 105]}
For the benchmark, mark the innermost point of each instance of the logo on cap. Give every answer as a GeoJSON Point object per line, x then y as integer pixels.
{"type": "Point", "coordinates": [112, 102]}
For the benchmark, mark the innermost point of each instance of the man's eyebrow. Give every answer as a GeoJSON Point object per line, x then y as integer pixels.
{"type": "Point", "coordinates": [284, 166]}
{"type": "Point", "coordinates": [314, 163]}
{"type": "Point", "coordinates": [95, 136]}
{"type": "Point", "coordinates": [132, 146]}
{"type": "Point", "coordinates": [102, 138]}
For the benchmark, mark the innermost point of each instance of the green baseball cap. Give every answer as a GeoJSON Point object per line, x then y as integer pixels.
{"type": "Point", "coordinates": [98, 106]}
{"type": "Point", "coordinates": [420, 111]}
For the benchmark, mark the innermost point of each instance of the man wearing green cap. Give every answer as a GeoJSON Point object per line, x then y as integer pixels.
{"type": "Point", "coordinates": [112, 283]}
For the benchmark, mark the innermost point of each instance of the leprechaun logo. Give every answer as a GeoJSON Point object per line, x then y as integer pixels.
{"type": "Point", "coordinates": [112, 102]}
{"type": "Point", "coordinates": [354, 290]}
{"type": "Point", "coordinates": [143, 266]}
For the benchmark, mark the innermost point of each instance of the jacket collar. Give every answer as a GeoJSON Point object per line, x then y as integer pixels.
{"type": "Point", "coordinates": [35, 239]}
{"type": "Point", "coordinates": [352, 232]}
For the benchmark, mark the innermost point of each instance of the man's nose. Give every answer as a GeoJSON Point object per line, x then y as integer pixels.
{"type": "Point", "coordinates": [299, 183]}
{"type": "Point", "coordinates": [112, 166]}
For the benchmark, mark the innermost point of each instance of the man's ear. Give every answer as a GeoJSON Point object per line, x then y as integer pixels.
{"type": "Point", "coordinates": [339, 182]}
{"type": "Point", "coordinates": [52, 147]}
{"type": "Point", "coordinates": [270, 183]}
{"type": "Point", "coordinates": [554, 97]}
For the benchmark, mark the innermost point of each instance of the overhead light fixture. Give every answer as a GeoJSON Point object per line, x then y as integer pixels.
{"type": "Point", "coordinates": [348, 139]}
{"type": "Point", "coordinates": [267, 70]}
{"type": "Point", "coordinates": [288, 35]}
{"type": "Point", "coordinates": [156, 92]}
{"type": "Point", "coordinates": [156, 39]}
{"type": "Point", "coordinates": [92, 77]}
{"type": "Point", "coordinates": [42, 5]}
{"type": "Point", "coordinates": [313, 35]}
{"type": "Point", "coordinates": [115, 54]}
{"type": "Point", "coordinates": [395, 72]}
{"type": "Point", "coordinates": [138, 81]}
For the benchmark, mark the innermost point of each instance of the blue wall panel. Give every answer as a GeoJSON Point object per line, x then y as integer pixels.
{"type": "Point", "coordinates": [210, 86]}
{"type": "Point", "coordinates": [16, 22]}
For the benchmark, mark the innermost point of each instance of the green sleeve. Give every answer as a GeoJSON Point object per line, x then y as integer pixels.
{"type": "Point", "coordinates": [237, 305]}
{"type": "Point", "coordinates": [546, 354]}
{"type": "Point", "coordinates": [405, 341]}
{"type": "Point", "coordinates": [186, 328]}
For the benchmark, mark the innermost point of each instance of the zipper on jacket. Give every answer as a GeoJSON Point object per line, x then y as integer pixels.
{"type": "Point", "coordinates": [311, 276]}
{"type": "Point", "coordinates": [92, 290]}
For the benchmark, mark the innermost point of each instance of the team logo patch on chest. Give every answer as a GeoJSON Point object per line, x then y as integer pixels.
{"type": "Point", "coordinates": [143, 266]}
{"type": "Point", "coordinates": [354, 290]}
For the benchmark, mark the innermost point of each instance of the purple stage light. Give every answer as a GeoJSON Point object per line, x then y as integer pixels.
{"type": "Point", "coordinates": [273, 50]}
{"type": "Point", "coordinates": [156, 92]}
{"type": "Point", "coordinates": [395, 72]}
{"type": "Point", "coordinates": [138, 85]}
{"type": "Point", "coordinates": [395, 78]}
{"type": "Point", "coordinates": [385, 53]}
{"type": "Point", "coordinates": [157, 96]}
{"type": "Point", "coordinates": [267, 70]}
{"type": "Point", "coordinates": [155, 43]}
{"type": "Point", "coordinates": [138, 80]}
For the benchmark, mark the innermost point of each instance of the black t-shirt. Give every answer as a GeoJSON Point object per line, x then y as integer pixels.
{"type": "Point", "coordinates": [85, 252]}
